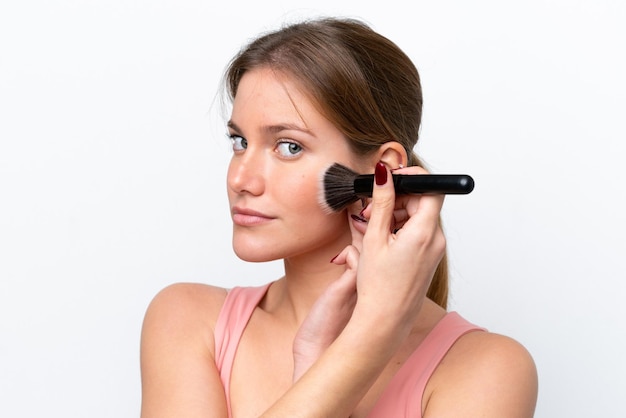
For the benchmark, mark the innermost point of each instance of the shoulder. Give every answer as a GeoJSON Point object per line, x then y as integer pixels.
{"type": "Point", "coordinates": [181, 308]}
{"type": "Point", "coordinates": [184, 297]}
{"type": "Point", "coordinates": [484, 374]}
{"type": "Point", "coordinates": [178, 375]}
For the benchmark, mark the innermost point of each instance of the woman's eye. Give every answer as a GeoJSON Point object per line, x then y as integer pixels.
{"type": "Point", "coordinates": [239, 143]}
{"type": "Point", "coordinates": [288, 149]}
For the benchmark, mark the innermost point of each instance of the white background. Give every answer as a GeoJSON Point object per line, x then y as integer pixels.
{"type": "Point", "coordinates": [112, 170]}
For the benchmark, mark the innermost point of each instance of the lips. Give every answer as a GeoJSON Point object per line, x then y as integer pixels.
{"type": "Point", "coordinates": [249, 217]}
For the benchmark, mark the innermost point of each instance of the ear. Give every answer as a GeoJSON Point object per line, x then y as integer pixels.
{"type": "Point", "coordinates": [392, 154]}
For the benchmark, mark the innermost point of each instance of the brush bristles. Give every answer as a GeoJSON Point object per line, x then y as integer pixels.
{"type": "Point", "coordinates": [338, 188]}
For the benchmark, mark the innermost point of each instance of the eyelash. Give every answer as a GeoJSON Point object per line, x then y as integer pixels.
{"type": "Point", "coordinates": [289, 143]}
{"type": "Point", "coordinates": [233, 138]}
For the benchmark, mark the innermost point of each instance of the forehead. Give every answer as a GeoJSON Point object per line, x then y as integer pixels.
{"type": "Point", "coordinates": [266, 93]}
{"type": "Point", "coordinates": [272, 102]}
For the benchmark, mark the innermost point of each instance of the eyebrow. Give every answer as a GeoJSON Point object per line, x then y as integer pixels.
{"type": "Point", "coordinates": [273, 129]}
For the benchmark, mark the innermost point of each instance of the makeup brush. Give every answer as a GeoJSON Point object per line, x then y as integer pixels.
{"type": "Point", "coordinates": [343, 186]}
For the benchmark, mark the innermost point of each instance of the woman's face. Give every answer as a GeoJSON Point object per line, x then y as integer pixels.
{"type": "Point", "coordinates": [281, 147]}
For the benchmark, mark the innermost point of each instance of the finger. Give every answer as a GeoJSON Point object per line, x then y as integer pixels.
{"type": "Point", "coordinates": [428, 205]}
{"type": "Point", "coordinates": [412, 169]}
{"type": "Point", "coordinates": [358, 226]}
{"type": "Point", "coordinates": [382, 205]}
{"type": "Point", "coordinates": [425, 209]}
{"type": "Point", "coordinates": [400, 216]}
{"type": "Point", "coordinates": [423, 228]}
{"type": "Point", "coordinates": [399, 213]}
{"type": "Point", "coordinates": [348, 256]}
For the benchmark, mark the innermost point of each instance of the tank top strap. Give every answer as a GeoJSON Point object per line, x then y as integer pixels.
{"type": "Point", "coordinates": [403, 396]}
{"type": "Point", "coordinates": [238, 307]}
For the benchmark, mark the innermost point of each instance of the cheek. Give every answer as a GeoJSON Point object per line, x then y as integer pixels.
{"type": "Point", "coordinates": [300, 193]}
{"type": "Point", "coordinates": [306, 215]}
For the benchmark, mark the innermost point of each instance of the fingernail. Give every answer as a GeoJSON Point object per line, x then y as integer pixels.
{"type": "Point", "coordinates": [361, 214]}
{"type": "Point", "coordinates": [333, 259]}
{"type": "Point", "coordinates": [358, 218]}
{"type": "Point", "coordinates": [380, 174]}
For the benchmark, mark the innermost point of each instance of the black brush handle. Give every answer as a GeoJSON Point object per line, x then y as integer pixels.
{"type": "Point", "coordinates": [419, 183]}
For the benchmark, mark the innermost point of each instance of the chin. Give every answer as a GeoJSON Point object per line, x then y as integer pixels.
{"type": "Point", "coordinates": [255, 254]}
{"type": "Point", "coordinates": [254, 258]}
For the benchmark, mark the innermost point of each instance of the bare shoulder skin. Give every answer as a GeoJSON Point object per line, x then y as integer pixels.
{"type": "Point", "coordinates": [179, 377]}
{"type": "Point", "coordinates": [483, 375]}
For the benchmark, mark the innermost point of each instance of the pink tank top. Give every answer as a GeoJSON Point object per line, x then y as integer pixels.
{"type": "Point", "coordinates": [403, 395]}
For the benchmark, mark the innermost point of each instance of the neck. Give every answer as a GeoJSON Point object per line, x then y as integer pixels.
{"type": "Point", "coordinates": [306, 277]}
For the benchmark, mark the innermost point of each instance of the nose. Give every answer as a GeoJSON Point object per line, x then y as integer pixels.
{"type": "Point", "coordinates": [245, 173]}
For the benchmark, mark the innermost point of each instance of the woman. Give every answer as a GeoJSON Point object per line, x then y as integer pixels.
{"type": "Point", "coordinates": [357, 326]}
